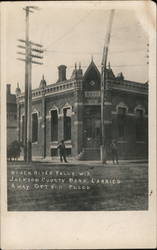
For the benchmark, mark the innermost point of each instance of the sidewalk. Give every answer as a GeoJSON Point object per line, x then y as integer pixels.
{"type": "Point", "coordinates": [98, 162]}
{"type": "Point", "coordinates": [75, 162]}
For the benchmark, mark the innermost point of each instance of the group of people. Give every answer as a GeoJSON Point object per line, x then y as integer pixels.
{"type": "Point", "coordinates": [113, 150]}
{"type": "Point", "coordinates": [13, 151]}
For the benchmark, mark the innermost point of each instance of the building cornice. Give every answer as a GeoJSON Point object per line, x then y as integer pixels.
{"type": "Point", "coordinates": [54, 89]}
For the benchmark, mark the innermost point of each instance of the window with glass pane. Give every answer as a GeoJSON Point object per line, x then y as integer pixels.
{"type": "Point", "coordinates": [121, 121]}
{"type": "Point", "coordinates": [34, 127]}
{"type": "Point", "coordinates": [67, 124]}
{"type": "Point", "coordinates": [54, 125]}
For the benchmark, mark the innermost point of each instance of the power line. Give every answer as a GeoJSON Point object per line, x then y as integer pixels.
{"type": "Point", "coordinates": [94, 53]}
{"type": "Point", "coordinates": [131, 65]}
{"type": "Point", "coordinates": [70, 30]}
{"type": "Point", "coordinates": [112, 66]}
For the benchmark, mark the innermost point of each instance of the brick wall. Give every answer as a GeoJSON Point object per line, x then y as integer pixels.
{"type": "Point", "coordinates": [128, 146]}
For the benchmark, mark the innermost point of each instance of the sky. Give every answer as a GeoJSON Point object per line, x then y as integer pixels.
{"type": "Point", "coordinates": [71, 35]}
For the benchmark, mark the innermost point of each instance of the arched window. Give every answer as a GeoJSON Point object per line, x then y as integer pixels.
{"type": "Point", "coordinates": [34, 127]}
{"type": "Point", "coordinates": [54, 125]}
{"type": "Point", "coordinates": [121, 113]}
{"type": "Point", "coordinates": [67, 123]}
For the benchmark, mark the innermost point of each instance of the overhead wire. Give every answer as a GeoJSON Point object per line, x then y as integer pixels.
{"type": "Point", "coordinates": [88, 52]}
{"type": "Point", "coordinates": [70, 30]}
{"type": "Point", "coordinates": [112, 66]}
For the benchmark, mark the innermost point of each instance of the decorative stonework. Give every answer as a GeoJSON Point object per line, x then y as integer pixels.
{"type": "Point", "coordinates": [48, 117]}
{"type": "Point", "coordinates": [54, 107]}
{"type": "Point", "coordinates": [139, 107]}
{"type": "Point", "coordinates": [35, 111]}
{"type": "Point", "coordinates": [68, 106]}
{"type": "Point", "coordinates": [23, 114]}
{"type": "Point", "coordinates": [108, 103]}
{"type": "Point", "coordinates": [121, 105]}
{"type": "Point", "coordinates": [75, 96]}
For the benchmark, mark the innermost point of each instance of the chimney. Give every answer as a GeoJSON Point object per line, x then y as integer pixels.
{"type": "Point", "coordinates": [61, 73]}
{"type": "Point", "coordinates": [8, 89]}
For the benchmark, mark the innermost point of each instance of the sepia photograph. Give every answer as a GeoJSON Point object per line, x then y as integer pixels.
{"type": "Point", "coordinates": [78, 139]}
{"type": "Point", "coordinates": [77, 110]}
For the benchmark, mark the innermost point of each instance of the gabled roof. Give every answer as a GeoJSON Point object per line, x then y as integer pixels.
{"type": "Point", "coordinates": [91, 65]}
{"type": "Point", "coordinates": [42, 82]}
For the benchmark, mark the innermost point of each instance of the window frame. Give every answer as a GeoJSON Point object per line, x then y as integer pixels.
{"type": "Point", "coordinates": [67, 137]}
{"type": "Point", "coordinates": [37, 133]}
{"type": "Point", "coordinates": [121, 120]}
{"type": "Point", "coordinates": [52, 110]}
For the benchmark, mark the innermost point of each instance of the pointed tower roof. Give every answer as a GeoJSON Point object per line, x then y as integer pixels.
{"type": "Point", "coordinates": [110, 71]}
{"type": "Point", "coordinates": [120, 76]}
{"type": "Point", "coordinates": [92, 66]}
{"type": "Point", "coordinates": [74, 73]}
{"type": "Point", "coordinates": [18, 90]}
{"type": "Point", "coordinates": [77, 72]}
{"type": "Point", "coordinates": [42, 82]}
{"type": "Point", "coordinates": [92, 78]}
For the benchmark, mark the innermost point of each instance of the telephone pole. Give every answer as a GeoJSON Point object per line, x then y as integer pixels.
{"type": "Point", "coordinates": [29, 48]}
{"type": "Point", "coordinates": [104, 87]}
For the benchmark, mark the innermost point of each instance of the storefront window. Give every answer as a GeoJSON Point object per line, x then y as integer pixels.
{"type": "Point", "coordinates": [34, 127]}
{"type": "Point", "coordinates": [54, 125]}
{"type": "Point", "coordinates": [67, 124]}
{"type": "Point", "coordinates": [121, 121]}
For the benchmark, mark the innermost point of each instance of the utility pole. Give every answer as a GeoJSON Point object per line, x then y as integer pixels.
{"type": "Point", "coordinates": [29, 48]}
{"type": "Point", "coordinates": [104, 86]}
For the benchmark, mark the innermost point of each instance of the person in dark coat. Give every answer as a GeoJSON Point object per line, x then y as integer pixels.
{"type": "Point", "coordinates": [62, 151]}
{"type": "Point", "coordinates": [13, 151]}
{"type": "Point", "coordinates": [114, 151]}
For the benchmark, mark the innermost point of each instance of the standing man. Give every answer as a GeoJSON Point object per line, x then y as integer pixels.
{"type": "Point", "coordinates": [114, 151]}
{"type": "Point", "coordinates": [62, 151]}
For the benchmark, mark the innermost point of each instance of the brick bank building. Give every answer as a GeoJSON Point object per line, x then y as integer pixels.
{"type": "Point", "coordinates": [70, 109]}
